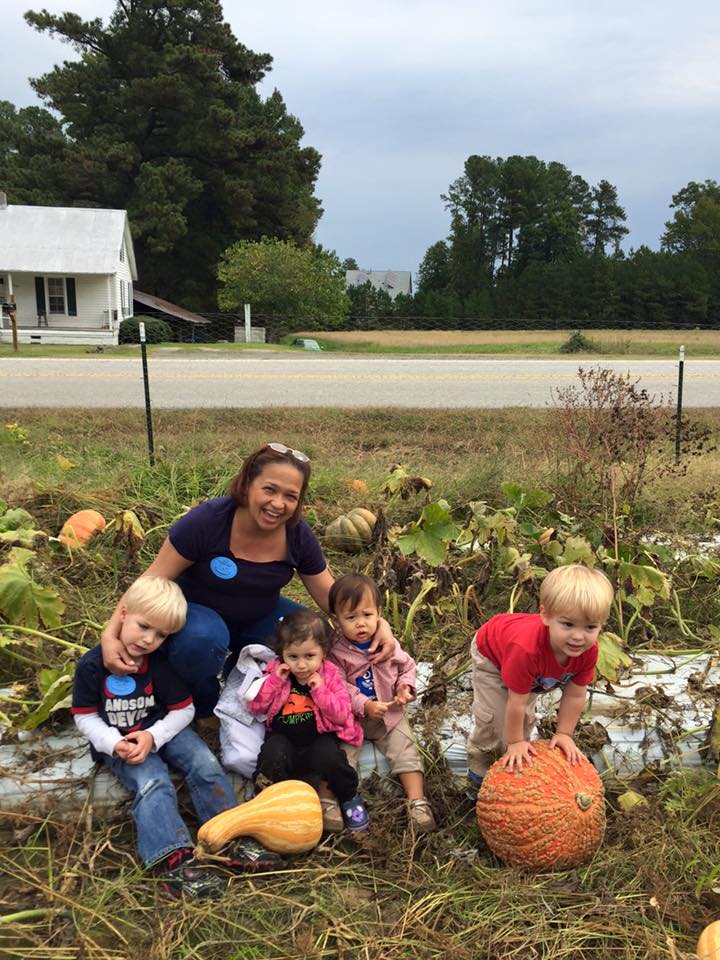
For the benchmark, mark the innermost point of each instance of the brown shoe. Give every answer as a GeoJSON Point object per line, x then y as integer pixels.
{"type": "Point", "coordinates": [332, 816]}
{"type": "Point", "coordinates": [421, 815]}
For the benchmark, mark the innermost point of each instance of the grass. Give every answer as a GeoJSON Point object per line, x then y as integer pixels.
{"type": "Point", "coordinates": [546, 343]}
{"type": "Point", "coordinates": [32, 350]}
{"type": "Point", "coordinates": [69, 883]}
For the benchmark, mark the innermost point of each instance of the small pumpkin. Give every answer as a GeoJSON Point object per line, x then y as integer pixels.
{"type": "Point", "coordinates": [351, 532]}
{"type": "Point", "coordinates": [708, 947]}
{"type": "Point", "coordinates": [549, 815]}
{"type": "Point", "coordinates": [286, 817]}
{"type": "Point", "coordinates": [78, 528]}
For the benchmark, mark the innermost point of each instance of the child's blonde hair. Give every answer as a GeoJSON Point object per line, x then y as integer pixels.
{"type": "Point", "coordinates": [160, 600]}
{"type": "Point", "coordinates": [576, 587]}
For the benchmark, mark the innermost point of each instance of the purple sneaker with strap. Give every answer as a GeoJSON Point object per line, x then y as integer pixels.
{"type": "Point", "coordinates": [354, 814]}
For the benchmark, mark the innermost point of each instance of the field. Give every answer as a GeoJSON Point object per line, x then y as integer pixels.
{"type": "Point", "coordinates": [546, 343]}
{"type": "Point", "coordinates": [71, 888]}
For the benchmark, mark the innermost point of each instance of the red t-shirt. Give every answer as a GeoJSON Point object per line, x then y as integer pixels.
{"type": "Point", "coordinates": [519, 644]}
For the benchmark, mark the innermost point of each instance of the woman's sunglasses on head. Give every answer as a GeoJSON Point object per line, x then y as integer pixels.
{"type": "Point", "coordinates": [297, 454]}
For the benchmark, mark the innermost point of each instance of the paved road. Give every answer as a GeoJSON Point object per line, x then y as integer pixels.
{"type": "Point", "coordinates": [271, 380]}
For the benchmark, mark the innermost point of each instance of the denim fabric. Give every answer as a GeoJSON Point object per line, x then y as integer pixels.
{"type": "Point", "coordinates": [198, 651]}
{"type": "Point", "coordinates": [159, 827]}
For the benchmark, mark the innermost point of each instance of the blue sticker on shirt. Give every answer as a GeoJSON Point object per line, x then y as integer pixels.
{"type": "Point", "coordinates": [120, 686]}
{"type": "Point", "coordinates": [366, 684]}
{"type": "Point", "coordinates": [223, 567]}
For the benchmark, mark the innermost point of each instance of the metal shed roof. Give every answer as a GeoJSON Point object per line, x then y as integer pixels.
{"type": "Point", "coordinates": [63, 240]}
{"type": "Point", "coordinates": [164, 306]}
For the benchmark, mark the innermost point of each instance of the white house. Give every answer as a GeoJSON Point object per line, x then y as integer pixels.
{"type": "Point", "coordinates": [70, 271]}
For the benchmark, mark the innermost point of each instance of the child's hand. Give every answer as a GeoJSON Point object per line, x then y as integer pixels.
{"type": "Point", "coordinates": [518, 754]}
{"type": "Point", "coordinates": [141, 743]}
{"type": "Point", "coordinates": [404, 695]}
{"type": "Point", "coordinates": [314, 681]}
{"type": "Point", "coordinates": [376, 709]}
{"type": "Point", "coordinates": [121, 749]}
{"type": "Point", "coordinates": [283, 671]}
{"type": "Point", "coordinates": [568, 747]}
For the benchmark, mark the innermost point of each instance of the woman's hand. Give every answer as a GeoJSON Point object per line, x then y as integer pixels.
{"type": "Point", "coordinates": [115, 657]}
{"type": "Point", "coordinates": [383, 643]}
{"type": "Point", "coordinates": [518, 754]}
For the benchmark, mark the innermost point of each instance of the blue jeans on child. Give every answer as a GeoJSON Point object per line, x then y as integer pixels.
{"type": "Point", "coordinates": [159, 826]}
{"type": "Point", "coordinates": [198, 652]}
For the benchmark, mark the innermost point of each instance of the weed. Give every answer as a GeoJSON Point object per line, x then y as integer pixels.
{"type": "Point", "coordinates": [577, 342]}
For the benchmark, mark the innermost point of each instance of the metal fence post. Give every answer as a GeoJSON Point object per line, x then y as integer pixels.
{"type": "Point", "coordinates": [146, 382]}
{"type": "Point", "coordinates": [678, 414]}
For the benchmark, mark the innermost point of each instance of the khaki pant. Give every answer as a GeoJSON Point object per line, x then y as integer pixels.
{"type": "Point", "coordinates": [485, 743]}
{"type": "Point", "coordinates": [398, 746]}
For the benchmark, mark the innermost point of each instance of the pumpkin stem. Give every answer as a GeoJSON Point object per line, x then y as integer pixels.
{"type": "Point", "coordinates": [583, 801]}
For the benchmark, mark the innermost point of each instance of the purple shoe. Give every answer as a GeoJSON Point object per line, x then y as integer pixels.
{"type": "Point", "coordinates": [354, 814]}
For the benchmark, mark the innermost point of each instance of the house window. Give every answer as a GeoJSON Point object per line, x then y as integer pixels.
{"type": "Point", "coordinates": [122, 252]}
{"type": "Point", "coordinates": [56, 294]}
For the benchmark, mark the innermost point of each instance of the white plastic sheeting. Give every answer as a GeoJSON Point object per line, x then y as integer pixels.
{"type": "Point", "coordinates": [659, 715]}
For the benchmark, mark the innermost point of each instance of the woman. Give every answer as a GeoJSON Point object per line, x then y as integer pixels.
{"type": "Point", "coordinates": [231, 557]}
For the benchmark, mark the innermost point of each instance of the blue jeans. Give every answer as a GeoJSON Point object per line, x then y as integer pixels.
{"type": "Point", "coordinates": [198, 652]}
{"type": "Point", "coordinates": [159, 826]}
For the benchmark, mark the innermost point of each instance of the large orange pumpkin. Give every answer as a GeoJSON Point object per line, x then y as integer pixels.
{"type": "Point", "coordinates": [286, 817]}
{"type": "Point", "coordinates": [549, 815]}
{"type": "Point", "coordinates": [78, 529]}
{"type": "Point", "coordinates": [708, 947]}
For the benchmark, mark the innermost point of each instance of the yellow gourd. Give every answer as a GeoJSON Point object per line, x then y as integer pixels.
{"type": "Point", "coordinates": [708, 947]}
{"type": "Point", "coordinates": [78, 529]}
{"type": "Point", "coordinates": [351, 532]}
{"type": "Point", "coordinates": [286, 817]}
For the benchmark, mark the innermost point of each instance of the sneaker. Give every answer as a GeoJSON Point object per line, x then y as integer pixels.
{"type": "Point", "coordinates": [421, 815]}
{"type": "Point", "coordinates": [247, 854]}
{"type": "Point", "coordinates": [332, 816]}
{"type": "Point", "coordinates": [354, 814]}
{"type": "Point", "coordinates": [188, 879]}
{"type": "Point", "coordinates": [474, 782]}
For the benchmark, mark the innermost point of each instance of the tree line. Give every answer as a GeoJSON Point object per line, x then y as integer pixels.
{"type": "Point", "coordinates": [161, 116]}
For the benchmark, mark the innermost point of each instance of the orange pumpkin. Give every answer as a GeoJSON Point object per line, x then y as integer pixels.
{"type": "Point", "coordinates": [549, 815]}
{"type": "Point", "coordinates": [708, 947]}
{"type": "Point", "coordinates": [78, 529]}
{"type": "Point", "coordinates": [286, 817]}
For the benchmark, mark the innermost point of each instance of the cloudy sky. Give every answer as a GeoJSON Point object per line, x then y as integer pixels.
{"type": "Point", "coordinates": [397, 94]}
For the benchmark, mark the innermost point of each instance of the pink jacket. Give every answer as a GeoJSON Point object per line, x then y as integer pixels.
{"type": "Point", "coordinates": [333, 713]}
{"type": "Point", "coordinates": [388, 676]}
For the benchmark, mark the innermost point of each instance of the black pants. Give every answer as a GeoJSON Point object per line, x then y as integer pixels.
{"type": "Point", "coordinates": [280, 759]}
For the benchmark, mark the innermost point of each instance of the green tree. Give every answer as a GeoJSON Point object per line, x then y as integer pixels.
{"type": "Point", "coordinates": [434, 270]}
{"type": "Point", "coordinates": [297, 286]}
{"type": "Point", "coordinates": [160, 115]}
{"type": "Point", "coordinates": [604, 224]}
{"type": "Point", "coordinates": [695, 226]}
{"type": "Point", "coordinates": [350, 263]}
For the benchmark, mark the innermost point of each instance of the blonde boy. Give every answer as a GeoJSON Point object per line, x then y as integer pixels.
{"type": "Point", "coordinates": [517, 657]}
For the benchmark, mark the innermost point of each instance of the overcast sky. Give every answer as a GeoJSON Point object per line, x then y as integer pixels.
{"type": "Point", "coordinates": [397, 94]}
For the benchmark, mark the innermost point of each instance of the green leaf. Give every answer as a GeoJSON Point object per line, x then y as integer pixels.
{"type": "Point", "coordinates": [645, 576]}
{"type": "Point", "coordinates": [611, 656]}
{"type": "Point", "coordinates": [23, 537]}
{"type": "Point", "coordinates": [530, 497]}
{"type": "Point", "coordinates": [578, 550]}
{"type": "Point", "coordinates": [23, 601]}
{"type": "Point", "coordinates": [429, 537]}
{"type": "Point", "coordinates": [57, 697]}
{"type": "Point", "coordinates": [14, 519]}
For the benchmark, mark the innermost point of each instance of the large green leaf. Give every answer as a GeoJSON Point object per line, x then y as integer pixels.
{"type": "Point", "coordinates": [14, 519]}
{"type": "Point", "coordinates": [24, 602]}
{"type": "Point", "coordinates": [611, 656]}
{"type": "Point", "coordinates": [56, 697]}
{"type": "Point", "coordinates": [429, 537]}
{"type": "Point", "coordinates": [529, 497]}
{"type": "Point", "coordinates": [645, 576]}
{"type": "Point", "coordinates": [578, 550]}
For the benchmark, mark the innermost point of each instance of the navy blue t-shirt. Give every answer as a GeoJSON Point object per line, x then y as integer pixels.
{"type": "Point", "coordinates": [241, 591]}
{"type": "Point", "coordinates": [132, 702]}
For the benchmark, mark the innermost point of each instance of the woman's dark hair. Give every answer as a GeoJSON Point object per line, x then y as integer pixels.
{"type": "Point", "coordinates": [348, 592]}
{"type": "Point", "coordinates": [253, 466]}
{"type": "Point", "coordinates": [303, 625]}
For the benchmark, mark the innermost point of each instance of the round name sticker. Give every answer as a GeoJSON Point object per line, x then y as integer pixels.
{"type": "Point", "coordinates": [120, 686]}
{"type": "Point", "coordinates": [223, 567]}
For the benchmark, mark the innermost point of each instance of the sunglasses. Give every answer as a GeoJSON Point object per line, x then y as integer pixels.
{"type": "Point", "coordinates": [297, 454]}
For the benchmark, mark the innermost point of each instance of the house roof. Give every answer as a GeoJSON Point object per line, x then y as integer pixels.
{"type": "Point", "coordinates": [164, 306]}
{"type": "Point", "coordinates": [63, 240]}
{"type": "Point", "coordinates": [392, 281]}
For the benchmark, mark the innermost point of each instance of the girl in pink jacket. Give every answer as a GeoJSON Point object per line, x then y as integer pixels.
{"type": "Point", "coordinates": [307, 715]}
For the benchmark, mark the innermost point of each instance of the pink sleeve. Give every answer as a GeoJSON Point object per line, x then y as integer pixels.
{"type": "Point", "coordinates": [332, 697]}
{"type": "Point", "coordinates": [357, 699]}
{"type": "Point", "coordinates": [268, 691]}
